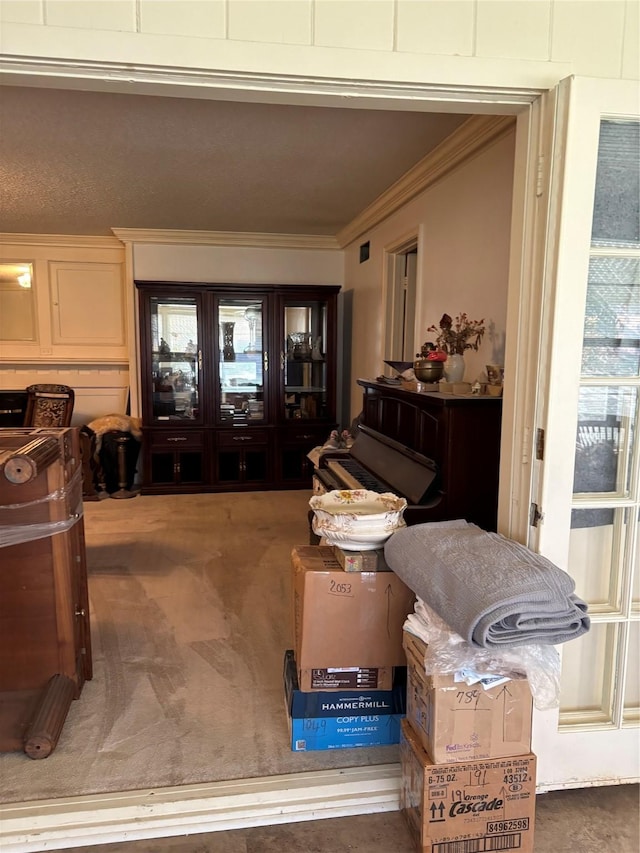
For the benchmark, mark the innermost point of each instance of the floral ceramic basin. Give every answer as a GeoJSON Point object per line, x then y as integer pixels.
{"type": "Point", "coordinates": [357, 519]}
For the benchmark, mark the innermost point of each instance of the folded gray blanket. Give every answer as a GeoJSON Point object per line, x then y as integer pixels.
{"type": "Point", "coordinates": [491, 590]}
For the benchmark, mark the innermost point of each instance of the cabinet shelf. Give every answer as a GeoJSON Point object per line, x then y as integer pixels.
{"type": "Point", "coordinates": [173, 357]}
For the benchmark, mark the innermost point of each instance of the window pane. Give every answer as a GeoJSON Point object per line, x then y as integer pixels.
{"type": "Point", "coordinates": [596, 552]}
{"type": "Point", "coordinates": [632, 681]}
{"type": "Point", "coordinates": [588, 670]}
{"type": "Point", "coordinates": [616, 214]}
{"type": "Point", "coordinates": [604, 439]}
{"type": "Point", "coordinates": [611, 344]}
{"type": "Point", "coordinates": [635, 580]}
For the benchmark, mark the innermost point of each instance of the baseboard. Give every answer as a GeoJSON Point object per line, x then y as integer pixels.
{"type": "Point", "coordinates": [159, 813]}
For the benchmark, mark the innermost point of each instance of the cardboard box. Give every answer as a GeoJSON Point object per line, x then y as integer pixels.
{"type": "Point", "coordinates": [347, 732]}
{"type": "Point", "coordinates": [335, 703]}
{"type": "Point", "coordinates": [346, 619]}
{"type": "Point", "coordinates": [475, 806]}
{"type": "Point", "coordinates": [457, 722]}
{"type": "Point", "coordinates": [346, 678]}
{"type": "Point", "coordinates": [362, 561]}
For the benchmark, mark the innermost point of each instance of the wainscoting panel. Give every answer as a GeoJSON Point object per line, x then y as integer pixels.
{"type": "Point", "coordinates": [99, 390]}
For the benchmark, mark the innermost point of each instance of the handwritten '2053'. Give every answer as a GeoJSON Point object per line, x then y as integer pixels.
{"type": "Point", "coordinates": [341, 588]}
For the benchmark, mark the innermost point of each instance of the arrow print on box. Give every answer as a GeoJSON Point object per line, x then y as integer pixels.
{"type": "Point", "coordinates": [439, 810]}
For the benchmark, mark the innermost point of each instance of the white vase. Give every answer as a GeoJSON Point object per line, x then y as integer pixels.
{"type": "Point", "coordinates": [454, 368]}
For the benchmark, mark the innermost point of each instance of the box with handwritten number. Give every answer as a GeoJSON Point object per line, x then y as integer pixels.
{"type": "Point", "coordinates": [346, 619]}
{"type": "Point", "coordinates": [471, 806]}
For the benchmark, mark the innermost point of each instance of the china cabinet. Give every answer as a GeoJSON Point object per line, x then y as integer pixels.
{"type": "Point", "coordinates": [238, 384]}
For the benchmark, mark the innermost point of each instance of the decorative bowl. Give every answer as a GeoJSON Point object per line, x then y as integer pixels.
{"type": "Point", "coordinates": [354, 541]}
{"type": "Point", "coordinates": [399, 366]}
{"type": "Point", "coordinates": [428, 371]}
{"type": "Point", "coordinates": [357, 519]}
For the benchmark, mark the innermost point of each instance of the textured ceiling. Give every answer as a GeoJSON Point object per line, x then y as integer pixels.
{"type": "Point", "coordinates": [83, 162]}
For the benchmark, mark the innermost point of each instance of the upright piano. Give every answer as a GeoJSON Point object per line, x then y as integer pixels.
{"type": "Point", "coordinates": [439, 451]}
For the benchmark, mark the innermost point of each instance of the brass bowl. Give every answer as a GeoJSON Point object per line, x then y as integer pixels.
{"type": "Point", "coordinates": [428, 371]}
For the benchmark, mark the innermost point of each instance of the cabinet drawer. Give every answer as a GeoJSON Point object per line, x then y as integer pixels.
{"type": "Point", "coordinates": [177, 440]}
{"type": "Point", "coordinates": [243, 438]}
{"type": "Point", "coordinates": [306, 435]}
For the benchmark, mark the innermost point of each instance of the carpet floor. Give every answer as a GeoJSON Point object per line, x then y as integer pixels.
{"type": "Point", "coordinates": [190, 617]}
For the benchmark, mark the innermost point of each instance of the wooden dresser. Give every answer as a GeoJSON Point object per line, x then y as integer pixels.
{"type": "Point", "coordinates": [45, 644]}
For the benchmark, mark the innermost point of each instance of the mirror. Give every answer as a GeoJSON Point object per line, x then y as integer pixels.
{"type": "Point", "coordinates": [17, 302]}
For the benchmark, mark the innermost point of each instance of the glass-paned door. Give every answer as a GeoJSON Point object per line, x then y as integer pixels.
{"type": "Point", "coordinates": [243, 360]}
{"type": "Point", "coordinates": [176, 359]}
{"type": "Point", "coordinates": [591, 478]}
{"type": "Point", "coordinates": [303, 359]}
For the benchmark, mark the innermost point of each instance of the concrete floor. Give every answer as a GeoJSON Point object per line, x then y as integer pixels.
{"type": "Point", "coordinates": [588, 820]}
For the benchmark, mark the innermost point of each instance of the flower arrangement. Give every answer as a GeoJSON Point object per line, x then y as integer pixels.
{"type": "Point", "coordinates": [456, 336]}
{"type": "Point", "coordinates": [431, 352]}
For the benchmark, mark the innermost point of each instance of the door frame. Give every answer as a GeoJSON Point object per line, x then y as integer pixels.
{"type": "Point", "coordinates": [394, 292]}
{"type": "Point", "coordinates": [350, 791]}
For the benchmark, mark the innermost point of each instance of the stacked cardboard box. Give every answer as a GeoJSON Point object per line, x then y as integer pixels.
{"type": "Point", "coordinates": [335, 719]}
{"type": "Point", "coordinates": [347, 638]}
{"type": "Point", "coordinates": [468, 774]}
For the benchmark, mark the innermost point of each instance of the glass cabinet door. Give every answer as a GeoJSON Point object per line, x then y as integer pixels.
{"type": "Point", "coordinates": [242, 360]}
{"type": "Point", "coordinates": [303, 359]}
{"type": "Point", "coordinates": [176, 358]}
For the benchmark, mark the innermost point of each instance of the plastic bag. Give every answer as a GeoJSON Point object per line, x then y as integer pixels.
{"type": "Point", "coordinates": [448, 652]}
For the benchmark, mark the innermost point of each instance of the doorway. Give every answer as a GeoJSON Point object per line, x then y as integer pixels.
{"type": "Point", "coordinates": [402, 265]}
{"type": "Point", "coordinates": [346, 792]}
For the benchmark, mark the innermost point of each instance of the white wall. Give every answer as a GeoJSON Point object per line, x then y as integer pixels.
{"type": "Point", "coordinates": [80, 330]}
{"type": "Point", "coordinates": [233, 264]}
{"type": "Point", "coordinates": [481, 42]}
{"type": "Point", "coordinates": [463, 229]}
{"type": "Point", "coordinates": [98, 390]}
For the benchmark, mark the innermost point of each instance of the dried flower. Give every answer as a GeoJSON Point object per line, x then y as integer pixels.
{"type": "Point", "coordinates": [456, 336]}
{"type": "Point", "coordinates": [431, 352]}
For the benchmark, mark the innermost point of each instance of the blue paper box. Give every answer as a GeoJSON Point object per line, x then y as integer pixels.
{"type": "Point", "coordinates": [341, 719]}
{"type": "Point", "coordinates": [320, 733]}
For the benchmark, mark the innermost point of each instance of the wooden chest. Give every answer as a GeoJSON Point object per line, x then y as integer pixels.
{"type": "Point", "coordinates": [44, 606]}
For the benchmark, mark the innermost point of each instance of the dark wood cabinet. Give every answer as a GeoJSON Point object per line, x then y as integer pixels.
{"type": "Point", "coordinates": [176, 459]}
{"type": "Point", "coordinates": [294, 444]}
{"type": "Point", "coordinates": [461, 434]}
{"type": "Point", "coordinates": [243, 457]}
{"type": "Point", "coordinates": [238, 384]}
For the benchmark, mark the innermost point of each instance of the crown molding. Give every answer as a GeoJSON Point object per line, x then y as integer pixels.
{"type": "Point", "coordinates": [472, 137]}
{"type": "Point", "coordinates": [69, 240]}
{"type": "Point", "coordinates": [226, 238]}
